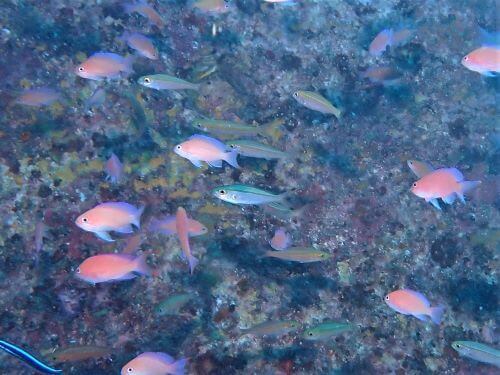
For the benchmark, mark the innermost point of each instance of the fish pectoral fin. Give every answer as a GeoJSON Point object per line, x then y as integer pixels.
{"type": "Point", "coordinates": [196, 163]}
{"type": "Point", "coordinates": [128, 276]}
{"type": "Point", "coordinates": [125, 229]}
{"type": "Point", "coordinates": [104, 236]}
{"type": "Point", "coordinates": [435, 203]}
{"type": "Point", "coordinates": [449, 199]}
{"type": "Point", "coordinates": [215, 163]}
{"type": "Point", "coordinates": [421, 317]}
{"type": "Point", "coordinates": [489, 74]}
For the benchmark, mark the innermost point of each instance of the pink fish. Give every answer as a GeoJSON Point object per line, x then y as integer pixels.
{"type": "Point", "coordinates": [381, 42]}
{"type": "Point", "coordinates": [112, 267]}
{"type": "Point", "coordinates": [212, 6]}
{"type": "Point", "coordinates": [141, 44]}
{"type": "Point", "coordinates": [181, 225]}
{"type": "Point", "coordinates": [104, 65]}
{"type": "Point", "coordinates": [168, 226]}
{"type": "Point", "coordinates": [384, 75]}
{"type": "Point", "coordinates": [111, 216]}
{"type": "Point", "coordinates": [38, 97]}
{"type": "Point", "coordinates": [154, 363]}
{"type": "Point", "coordinates": [200, 148]}
{"type": "Point", "coordinates": [146, 10]}
{"type": "Point", "coordinates": [444, 183]}
{"type": "Point", "coordinates": [409, 302]}
{"type": "Point", "coordinates": [484, 60]}
{"type": "Point", "coordinates": [281, 240]}
{"type": "Point", "coordinates": [114, 169]}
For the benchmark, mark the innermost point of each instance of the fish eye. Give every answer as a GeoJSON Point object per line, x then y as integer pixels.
{"type": "Point", "coordinates": [78, 270]}
{"type": "Point", "coordinates": [296, 94]}
{"type": "Point", "coordinates": [387, 298]}
{"type": "Point", "coordinates": [198, 125]}
{"type": "Point", "coordinates": [458, 346]}
{"type": "Point", "coordinates": [232, 146]}
{"type": "Point", "coordinates": [310, 333]}
{"type": "Point", "coordinates": [147, 80]}
{"type": "Point", "coordinates": [414, 184]}
{"type": "Point", "coordinates": [84, 219]}
{"type": "Point", "coordinates": [466, 58]}
{"type": "Point", "coordinates": [322, 255]}
{"type": "Point", "coordinates": [222, 192]}
{"type": "Point", "coordinates": [130, 369]}
{"type": "Point", "coordinates": [80, 69]}
{"type": "Point", "coordinates": [178, 147]}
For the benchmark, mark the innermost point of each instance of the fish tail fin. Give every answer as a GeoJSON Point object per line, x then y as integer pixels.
{"type": "Point", "coordinates": [466, 186]}
{"type": "Point", "coordinates": [231, 158]}
{"type": "Point", "coordinates": [489, 38]}
{"type": "Point", "coordinates": [129, 62]}
{"type": "Point", "coordinates": [137, 217]}
{"type": "Point", "coordinates": [436, 314]}
{"type": "Point", "coordinates": [193, 262]}
{"type": "Point", "coordinates": [272, 129]}
{"type": "Point", "coordinates": [141, 266]}
{"type": "Point", "coordinates": [178, 366]}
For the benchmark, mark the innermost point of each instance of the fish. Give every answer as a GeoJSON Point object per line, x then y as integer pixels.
{"type": "Point", "coordinates": [316, 102]}
{"type": "Point", "coordinates": [79, 353]}
{"type": "Point", "coordinates": [226, 127]}
{"type": "Point", "coordinates": [444, 183]}
{"type": "Point", "coordinates": [166, 82]}
{"type": "Point", "coordinates": [167, 226]}
{"type": "Point", "coordinates": [246, 194]}
{"type": "Point", "coordinates": [477, 351]}
{"type": "Point", "coordinates": [326, 330]}
{"type": "Point", "coordinates": [383, 75]}
{"type": "Point", "coordinates": [97, 99]}
{"type": "Point", "coordinates": [484, 60]}
{"type": "Point", "coordinates": [410, 302]}
{"type": "Point", "coordinates": [105, 65]}
{"type": "Point", "coordinates": [27, 358]}
{"type": "Point", "coordinates": [38, 97]}
{"type": "Point", "coordinates": [299, 254]}
{"type": "Point", "coordinates": [200, 148]}
{"type": "Point", "coordinates": [114, 169]}
{"type": "Point", "coordinates": [380, 43]}
{"type": "Point", "coordinates": [154, 363]}
{"type": "Point", "coordinates": [281, 240]}
{"type": "Point", "coordinates": [400, 37]}
{"type": "Point", "coordinates": [253, 149]}
{"type": "Point", "coordinates": [141, 44]}
{"type": "Point", "coordinates": [212, 6]}
{"type": "Point", "coordinates": [182, 228]}
{"type": "Point", "coordinates": [40, 230]}
{"type": "Point", "coordinates": [110, 216]}
{"type": "Point", "coordinates": [133, 243]}
{"type": "Point", "coordinates": [145, 10]}
{"type": "Point", "coordinates": [420, 168]}
{"type": "Point", "coordinates": [272, 328]}
{"type": "Point", "coordinates": [112, 267]}
{"type": "Point", "coordinates": [173, 304]}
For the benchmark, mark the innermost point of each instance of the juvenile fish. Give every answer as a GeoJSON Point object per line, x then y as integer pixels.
{"type": "Point", "coordinates": [245, 194]}
{"type": "Point", "coordinates": [479, 352]}
{"type": "Point", "coordinates": [410, 302]}
{"type": "Point", "coordinates": [300, 255]}
{"type": "Point", "coordinates": [316, 102]}
{"type": "Point", "coordinates": [225, 127]}
{"type": "Point", "coordinates": [38, 97]}
{"type": "Point", "coordinates": [281, 240]}
{"type": "Point", "coordinates": [383, 75]}
{"type": "Point", "coordinates": [272, 328]}
{"type": "Point", "coordinates": [114, 169]}
{"type": "Point", "coordinates": [173, 304]}
{"type": "Point", "coordinates": [79, 353]}
{"type": "Point", "coordinates": [146, 10]}
{"type": "Point", "coordinates": [27, 358]}
{"type": "Point", "coordinates": [104, 65]}
{"type": "Point", "coordinates": [420, 168]}
{"type": "Point", "coordinates": [182, 227]}
{"type": "Point", "coordinates": [40, 230]}
{"type": "Point", "coordinates": [200, 148]}
{"type": "Point", "coordinates": [255, 149]}
{"type": "Point", "coordinates": [212, 6]}
{"type": "Point", "coordinates": [111, 216]}
{"type": "Point", "coordinates": [154, 363]}
{"type": "Point", "coordinates": [168, 226]}
{"type": "Point", "coordinates": [326, 330]}
{"type": "Point", "coordinates": [166, 82]}
{"type": "Point", "coordinates": [141, 44]}
{"type": "Point", "coordinates": [380, 43]}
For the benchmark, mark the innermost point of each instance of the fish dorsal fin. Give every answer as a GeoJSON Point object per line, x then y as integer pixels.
{"type": "Point", "coordinates": [457, 174]}
{"type": "Point", "coordinates": [158, 356]}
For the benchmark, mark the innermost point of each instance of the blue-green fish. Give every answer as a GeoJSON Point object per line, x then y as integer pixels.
{"type": "Point", "coordinates": [253, 149]}
{"type": "Point", "coordinates": [316, 102]}
{"type": "Point", "coordinates": [26, 357]}
{"type": "Point", "coordinates": [479, 352]}
{"type": "Point", "coordinates": [326, 330]}
{"type": "Point", "coordinates": [271, 328]}
{"type": "Point", "coordinates": [299, 254]}
{"type": "Point", "coordinates": [166, 82]}
{"type": "Point", "coordinates": [173, 304]}
{"type": "Point", "coordinates": [245, 194]}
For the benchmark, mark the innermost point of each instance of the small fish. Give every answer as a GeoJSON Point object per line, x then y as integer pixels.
{"type": "Point", "coordinates": [112, 267]}
{"type": "Point", "coordinates": [299, 254]}
{"type": "Point", "coordinates": [132, 245]}
{"type": "Point", "coordinates": [255, 149]}
{"type": "Point", "coordinates": [79, 353]}
{"type": "Point", "coordinates": [182, 228]}
{"type": "Point", "coordinates": [173, 304]}
{"type": "Point", "coordinates": [272, 328]}
{"type": "Point", "coordinates": [145, 10]}
{"type": "Point", "coordinates": [40, 230]}
{"type": "Point", "coordinates": [97, 99]}
{"type": "Point", "coordinates": [226, 127]}
{"type": "Point", "coordinates": [479, 352]}
{"type": "Point", "coordinates": [111, 216]}
{"type": "Point", "coordinates": [212, 6]}
{"type": "Point", "coordinates": [380, 43]}
{"type": "Point", "coordinates": [245, 194]}
{"type": "Point", "coordinates": [485, 60]}
{"type": "Point", "coordinates": [281, 240]}
{"type": "Point", "coordinates": [168, 227]}
{"type": "Point", "coordinates": [420, 168]}
{"type": "Point", "coordinates": [114, 169]}
{"type": "Point", "coordinates": [154, 363]}
{"type": "Point", "coordinates": [141, 44]}
{"type": "Point", "coordinates": [444, 183]}
{"type": "Point", "coordinates": [326, 330]}
{"type": "Point", "coordinates": [409, 302]}
{"type": "Point", "coordinates": [27, 358]}
{"type": "Point", "coordinates": [316, 102]}
{"type": "Point", "coordinates": [165, 82]}
{"type": "Point", "coordinates": [104, 65]}
{"type": "Point", "coordinates": [38, 97]}
{"type": "Point", "coordinates": [383, 75]}
{"type": "Point", "coordinates": [200, 148]}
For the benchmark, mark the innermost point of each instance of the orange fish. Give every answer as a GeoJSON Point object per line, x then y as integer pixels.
{"type": "Point", "coordinates": [141, 44]}
{"type": "Point", "coordinates": [146, 10]}
{"type": "Point", "coordinates": [212, 6]}
{"type": "Point", "coordinates": [182, 227]}
{"type": "Point", "coordinates": [484, 60]}
{"type": "Point", "coordinates": [112, 267]}
{"type": "Point", "coordinates": [281, 240]}
{"type": "Point", "coordinates": [114, 169]}
{"type": "Point", "coordinates": [381, 42]}
{"type": "Point", "coordinates": [409, 302]}
{"type": "Point", "coordinates": [111, 216]}
{"type": "Point", "coordinates": [154, 363]}
{"type": "Point", "coordinates": [384, 75]}
{"type": "Point", "coordinates": [104, 65]}
{"type": "Point", "coordinates": [200, 148]}
{"type": "Point", "coordinates": [444, 183]}
{"type": "Point", "coordinates": [168, 226]}
{"type": "Point", "coordinates": [38, 97]}
{"type": "Point", "coordinates": [420, 168]}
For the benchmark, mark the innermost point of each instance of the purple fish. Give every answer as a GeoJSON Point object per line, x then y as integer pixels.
{"type": "Point", "coordinates": [114, 169]}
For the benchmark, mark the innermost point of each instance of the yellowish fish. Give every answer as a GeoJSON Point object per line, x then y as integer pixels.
{"type": "Point", "coordinates": [316, 102]}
